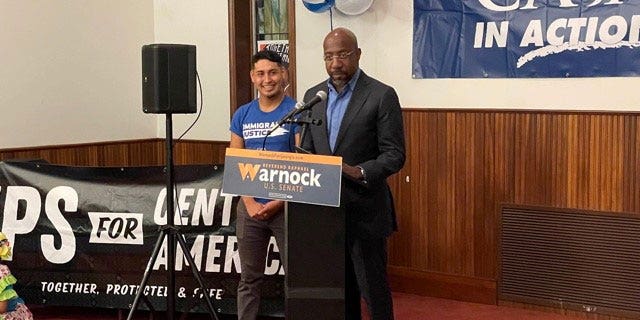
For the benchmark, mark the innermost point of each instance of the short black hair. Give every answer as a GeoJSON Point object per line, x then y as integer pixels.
{"type": "Point", "coordinates": [268, 55]}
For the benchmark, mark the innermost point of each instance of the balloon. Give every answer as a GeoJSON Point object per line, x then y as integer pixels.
{"type": "Point", "coordinates": [318, 6]}
{"type": "Point", "coordinates": [353, 7]}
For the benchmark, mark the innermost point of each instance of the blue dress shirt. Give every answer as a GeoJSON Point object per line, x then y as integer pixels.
{"type": "Point", "coordinates": [336, 106]}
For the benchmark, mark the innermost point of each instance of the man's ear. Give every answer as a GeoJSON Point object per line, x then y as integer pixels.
{"type": "Point", "coordinates": [285, 77]}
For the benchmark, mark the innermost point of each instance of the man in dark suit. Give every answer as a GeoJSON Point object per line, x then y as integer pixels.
{"type": "Point", "coordinates": [362, 123]}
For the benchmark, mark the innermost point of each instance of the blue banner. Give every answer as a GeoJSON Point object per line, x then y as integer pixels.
{"type": "Point", "coordinates": [526, 38]}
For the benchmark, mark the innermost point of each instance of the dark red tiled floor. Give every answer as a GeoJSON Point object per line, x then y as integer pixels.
{"type": "Point", "coordinates": [406, 306]}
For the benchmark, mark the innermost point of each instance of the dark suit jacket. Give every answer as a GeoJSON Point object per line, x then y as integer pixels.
{"type": "Point", "coordinates": [371, 136]}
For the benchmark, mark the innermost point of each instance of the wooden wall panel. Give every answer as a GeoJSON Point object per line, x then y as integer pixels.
{"type": "Point", "coordinates": [199, 152]}
{"type": "Point", "coordinates": [123, 153]}
{"type": "Point", "coordinates": [463, 164]}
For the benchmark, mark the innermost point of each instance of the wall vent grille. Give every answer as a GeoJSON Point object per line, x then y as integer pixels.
{"type": "Point", "coordinates": [579, 260]}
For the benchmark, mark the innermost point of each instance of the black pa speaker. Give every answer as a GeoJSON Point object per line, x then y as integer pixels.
{"type": "Point", "coordinates": [169, 78]}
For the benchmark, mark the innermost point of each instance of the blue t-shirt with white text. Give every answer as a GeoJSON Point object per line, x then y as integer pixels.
{"type": "Point", "coordinates": [253, 124]}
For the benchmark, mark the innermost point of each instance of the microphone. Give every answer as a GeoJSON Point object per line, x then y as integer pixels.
{"type": "Point", "coordinates": [300, 106]}
{"type": "Point", "coordinates": [320, 96]}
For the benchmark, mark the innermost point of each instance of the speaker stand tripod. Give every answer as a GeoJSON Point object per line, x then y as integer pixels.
{"type": "Point", "coordinates": [172, 233]}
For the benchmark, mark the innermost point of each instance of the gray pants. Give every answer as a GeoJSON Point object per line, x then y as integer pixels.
{"type": "Point", "coordinates": [253, 238]}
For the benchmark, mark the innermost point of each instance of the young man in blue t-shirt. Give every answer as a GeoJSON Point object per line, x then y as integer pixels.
{"type": "Point", "coordinates": [258, 219]}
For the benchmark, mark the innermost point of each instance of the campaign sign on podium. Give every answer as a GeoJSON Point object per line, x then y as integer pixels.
{"type": "Point", "coordinates": [297, 177]}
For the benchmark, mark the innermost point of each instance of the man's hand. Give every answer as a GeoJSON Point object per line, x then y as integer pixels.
{"type": "Point", "coordinates": [261, 211]}
{"type": "Point", "coordinates": [353, 172]}
{"type": "Point", "coordinates": [270, 209]}
{"type": "Point", "coordinates": [253, 207]}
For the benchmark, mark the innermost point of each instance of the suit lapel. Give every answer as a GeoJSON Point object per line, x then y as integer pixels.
{"type": "Point", "coordinates": [320, 112]}
{"type": "Point", "coordinates": [356, 103]}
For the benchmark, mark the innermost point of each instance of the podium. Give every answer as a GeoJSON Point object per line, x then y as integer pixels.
{"type": "Point", "coordinates": [314, 223]}
{"type": "Point", "coordinates": [315, 262]}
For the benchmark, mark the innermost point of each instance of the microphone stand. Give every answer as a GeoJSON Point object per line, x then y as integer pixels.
{"type": "Point", "coordinates": [299, 108]}
{"type": "Point", "coordinates": [304, 122]}
{"type": "Point", "coordinates": [289, 119]}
